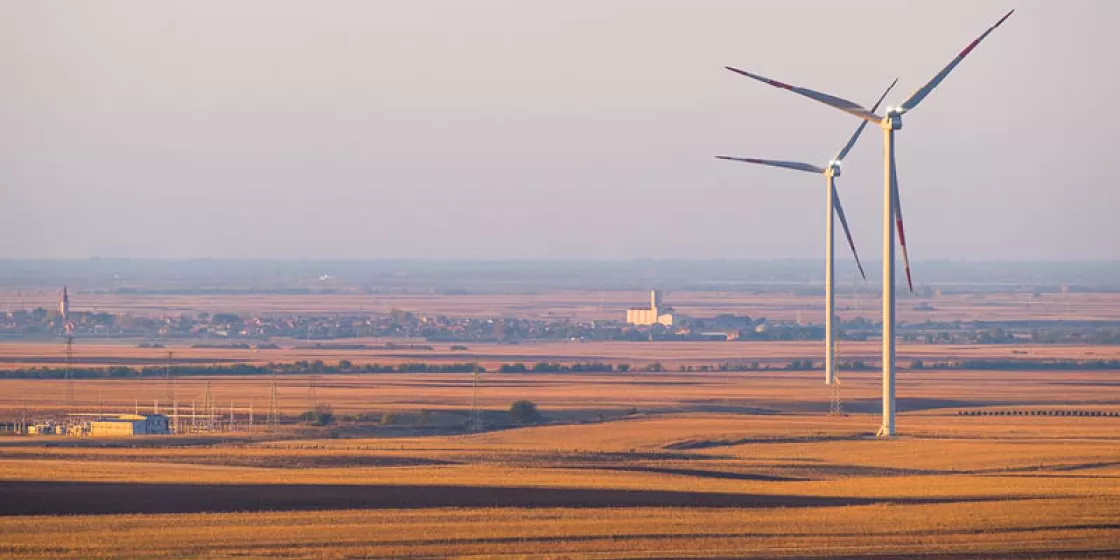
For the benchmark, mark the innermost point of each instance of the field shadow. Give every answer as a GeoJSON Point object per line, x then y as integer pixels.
{"type": "Point", "coordinates": [690, 444]}
{"type": "Point", "coordinates": [86, 498]}
{"type": "Point", "coordinates": [699, 473]}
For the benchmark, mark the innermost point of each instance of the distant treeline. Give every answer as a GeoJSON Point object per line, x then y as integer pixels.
{"type": "Point", "coordinates": [345, 366]}
{"type": "Point", "coordinates": [122, 372]}
{"type": "Point", "coordinates": [230, 346]}
{"type": "Point", "coordinates": [1013, 365]}
{"type": "Point", "coordinates": [386, 346]}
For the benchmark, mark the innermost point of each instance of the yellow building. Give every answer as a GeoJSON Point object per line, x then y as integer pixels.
{"type": "Point", "coordinates": [129, 425]}
{"type": "Point", "coordinates": [43, 429]}
{"type": "Point", "coordinates": [656, 314]}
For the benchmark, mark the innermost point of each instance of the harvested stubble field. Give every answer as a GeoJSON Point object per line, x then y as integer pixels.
{"type": "Point", "coordinates": [710, 465]}
{"type": "Point", "coordinates": [581, 396]}
{"type": "Point", "coordinates": [104, 353]}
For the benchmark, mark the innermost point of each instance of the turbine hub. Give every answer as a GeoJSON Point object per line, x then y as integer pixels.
{"type": "Point", "coordinates": [893, 120]}
{"type": "Point", "coordinates": [834, 168]}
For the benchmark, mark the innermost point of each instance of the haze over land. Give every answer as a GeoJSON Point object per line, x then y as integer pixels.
{"type": "Point", "coordinates": [500, 129]}
{"type": "Point", "coordinates": [155, 276]}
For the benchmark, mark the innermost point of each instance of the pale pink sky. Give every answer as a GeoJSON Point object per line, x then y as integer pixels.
{"type": "Point", "coordinates": [512, 129]}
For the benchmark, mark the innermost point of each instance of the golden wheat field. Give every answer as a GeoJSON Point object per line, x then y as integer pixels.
{"type": "Point", "coordinates": [672, 354]}
{"type": "Point", "coordinates": [640, 465]}
{"type": "Point", "coordinates": [673, 464]}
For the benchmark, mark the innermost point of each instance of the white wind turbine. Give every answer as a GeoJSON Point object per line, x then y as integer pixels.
{"type": "Point", "coordinates": [892, 210]}
{"type": "Point", "coordinates": [833, 207]}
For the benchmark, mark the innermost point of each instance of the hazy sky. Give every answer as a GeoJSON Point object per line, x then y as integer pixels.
{"type": "Point", "coordinates": [513, 129]}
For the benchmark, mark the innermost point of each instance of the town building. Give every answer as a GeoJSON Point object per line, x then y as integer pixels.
{"type": "Point", "coordinates": [64, 304]}
{"type": "Point", "coordinates": [655, 314]}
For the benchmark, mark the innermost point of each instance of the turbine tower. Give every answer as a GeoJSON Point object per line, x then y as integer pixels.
{"type": "Point", "coordinates": [833, 207]}
{"type": "Point", "coordinates": [892, 208]}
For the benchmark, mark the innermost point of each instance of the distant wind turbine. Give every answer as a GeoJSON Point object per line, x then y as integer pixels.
{"type": "Point", "coordinates": [892, 209]}
{"type": "Point", "coordinates": [830, 172]}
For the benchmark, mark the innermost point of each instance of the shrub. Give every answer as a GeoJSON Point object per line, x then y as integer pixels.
{"type": "Point", "coordinates": [323, 415]}
{"type": "Point", "coordinates": [524, 412]}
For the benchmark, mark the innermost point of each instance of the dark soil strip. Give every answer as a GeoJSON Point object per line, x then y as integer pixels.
{"type": "Point", "coordinates": [73, 498]}
{"type": "Point", "coordinates": [700, 473]}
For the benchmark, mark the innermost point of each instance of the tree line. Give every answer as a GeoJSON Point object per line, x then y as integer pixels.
{"type": "Point", "coordinates": [346, 366]}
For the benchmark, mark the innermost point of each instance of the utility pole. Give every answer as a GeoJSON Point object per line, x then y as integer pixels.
{"type": "Point", "coordinates": [209, 408]}
{"type": "Point", "coordinates": [273, 417]}
{"type": "Point", "coordinates": [312, 393]}
{"type": "Point", "coordinates": [69, 395]}
{"type": "Point", "coordinates": [476, 414]}
{"type": "Point", "coordinates": [835, 409]}
{"type": "Point", "coordinates": [169, 384]}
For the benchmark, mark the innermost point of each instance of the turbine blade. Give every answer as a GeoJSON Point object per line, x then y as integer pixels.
{"type": "Point", "coordinates": [859, 130]}
{"type": "Point", "coordinates": [777, 163]}
{"type": "Point", "coordinates": [917, 97]}
{"type": "Point", "coordinates": [898, 225]}
{"type": "Point", "coordinates": [831, 100]}
{"type": "Point", "coordinates": [847, 231]}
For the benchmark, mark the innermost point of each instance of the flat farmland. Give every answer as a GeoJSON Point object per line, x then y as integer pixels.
{"type": "Point", "coordinates": [583, 395]}
{"type": "Point", "coordinates": [669, 464]}
{"type": "Point", "coordinates": [640, 465]}
{"type": "Point", "coordinates": [101, 353]}
{"type": "Point", "coordinates": [594, 305]}
{"type": "Point", "coordinates": [697, 484]}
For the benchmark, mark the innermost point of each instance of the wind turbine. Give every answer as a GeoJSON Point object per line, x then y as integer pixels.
{"type": "Point", "coordinates": [831, 172]}
{"type": "Point", "coordinates": [892, 209]}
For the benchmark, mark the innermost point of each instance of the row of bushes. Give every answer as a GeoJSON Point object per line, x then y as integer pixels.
{"type": "Point", "coordinates": [345, 366]}
{"type": "Point", "coordinates": [1038, 413]}
{"type": "Point", "coordinates": [520, 412]}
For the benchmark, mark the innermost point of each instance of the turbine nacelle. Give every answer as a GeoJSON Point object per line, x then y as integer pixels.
{"type": "Point", "coordinates": [833, 169]}
{"type": "Point", "coordinates": [893, 120]}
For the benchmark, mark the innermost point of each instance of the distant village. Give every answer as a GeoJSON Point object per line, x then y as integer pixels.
{"type": "Point", "coordinates": [656, 321]}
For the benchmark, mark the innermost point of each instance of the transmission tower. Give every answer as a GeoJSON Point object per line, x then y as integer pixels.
{"type": "Point", "coordinates": [273, 406]}
{"type": "Point", "coordinates": [835, 404]}
{"type": "Point", "coordinates": [68, 328]}
{"type": "Point", "coordinates": [209, 409]}
{"type": "Point", "coordinates": [475, 424]}
{"type": "Point", "coordinates": [69, 396]}
{"type": "Point", "coordinates": [169, 384]}
{"type": "Point", "coordinates": [835, 408]}
{"type": "Point", "coordinates": [312, 392]}
{"type": "Point", "coordinates": [23, 412]}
